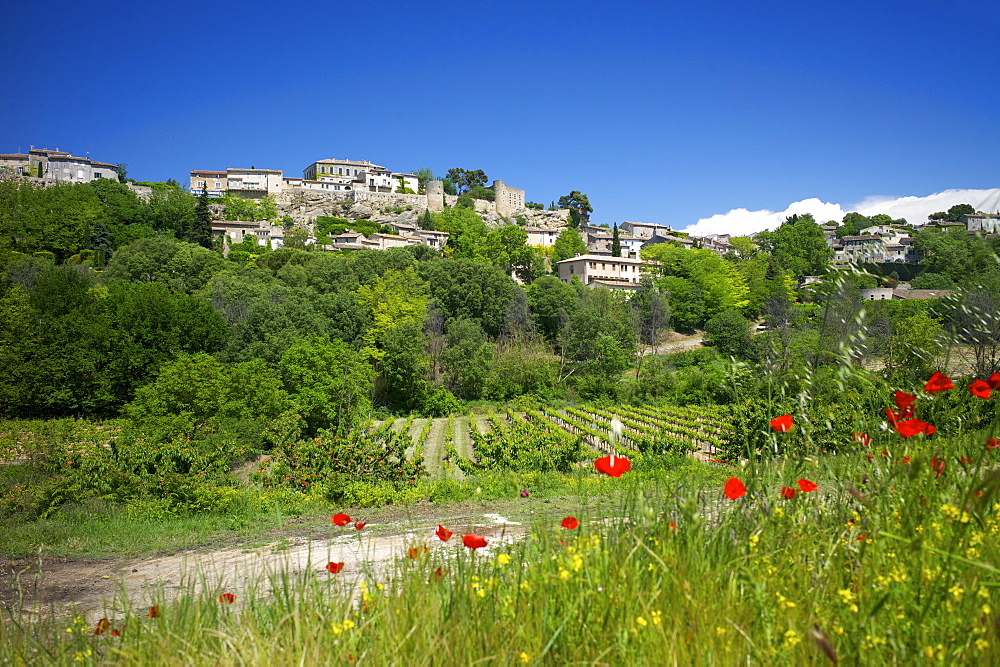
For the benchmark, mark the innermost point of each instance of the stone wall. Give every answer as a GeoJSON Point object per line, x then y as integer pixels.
{"type": "Point", "coordinates": [304, 205]}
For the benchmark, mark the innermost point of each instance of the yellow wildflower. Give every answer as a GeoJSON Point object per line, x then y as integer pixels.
{"type": "Point", "coordinates": [503, 559]}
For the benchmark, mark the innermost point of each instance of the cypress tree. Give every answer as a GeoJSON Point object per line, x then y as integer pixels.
{"type": "Point", "coordinates": [201, 232]}
{"type": "Point", "coordinates": [616, 243]}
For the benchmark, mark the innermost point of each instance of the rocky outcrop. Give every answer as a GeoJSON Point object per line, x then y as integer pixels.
{"type": "Point", "coordinates": [304, 206]}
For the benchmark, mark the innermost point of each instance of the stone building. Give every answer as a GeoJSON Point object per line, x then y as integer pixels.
{"type": "Point", "coordinates": [213, 181]}
{"type": "Point", "coordinates": [508, 200]}
{"type": "Point", "coordinates": [57, 166]}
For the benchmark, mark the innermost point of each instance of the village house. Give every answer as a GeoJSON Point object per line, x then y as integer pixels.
{"type": "Point", "coordinates": [538, 236]}
{"type": "Point", "coordinates": [236, 231]}
{"type": "Point", "coordinates": [215, 182]}
{"type": "Point", "coordinates": [618, 271]}
{"type": "Point", "coordinates": [56, 165]}
{"type": "Point", "coordinates": [645, 230]}
{"type": "Point", "coordinates": [249, 183]}
{"type": "Point", "coordinates": [984, 223]}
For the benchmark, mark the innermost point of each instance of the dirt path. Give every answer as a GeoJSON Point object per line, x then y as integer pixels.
{"type": "Point", "coordinates": [98, 589]}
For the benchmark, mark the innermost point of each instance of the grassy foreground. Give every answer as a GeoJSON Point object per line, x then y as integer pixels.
{"type": "Point", "coordinates": [888, 560]}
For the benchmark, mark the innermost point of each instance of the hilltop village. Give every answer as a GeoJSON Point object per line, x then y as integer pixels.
{"type": "Point", "coordinates": [343, 204]}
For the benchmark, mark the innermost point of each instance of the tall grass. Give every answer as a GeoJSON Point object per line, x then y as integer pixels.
{"type": "Point", "coordinates": [889, 561]}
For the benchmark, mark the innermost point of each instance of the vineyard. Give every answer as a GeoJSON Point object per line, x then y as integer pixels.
{"type": "Point", "coordinates": [553, 438]}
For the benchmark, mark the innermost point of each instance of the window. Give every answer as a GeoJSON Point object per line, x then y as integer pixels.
{"type": "Point", "coordinates": [97, 174]}
{"type": "Point", "coordinates": [340, 171]}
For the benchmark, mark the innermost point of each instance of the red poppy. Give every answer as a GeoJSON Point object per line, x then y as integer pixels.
{"type": "Point", "coordinates": [115, 632]}
{"type": "Point", "coordinates": [735, 489]}
{"type": "Point", "coordinates": [103, 626]}
{"type": "Point", "coordinates": [340, 519]}
{"type": "Point", "coordinates": [440, 572]}
{"type": "Point", "coordinates": [964, 461]}
{"type": "Point", "coordinates": [911, 427]}
{"type": "Point", "coordinates": [993, 443]}
{"type": "Point", "coordinates": [227, 598]}
{"type": "Point", "coordinates": [937, 466]}
{"type": "Point", "coordinates": [787, 492]}
{"type": "Point", "coordinates": [358, 525]}
{"type": "Point", "coordinates": [993, 381]}
{"type": "Point", "coordinates": [416, 552]}
{"type": "Point", "coordinates": [862, 438]}
{"type": "Point", "coordinates": [334, 568]}
{"type": "Point", "coordinates": [783, 423]}
{"type": "Point", "coordinates": [980, 389]}
{"type": "Point", "coordinates": [673, 526]}
{"type": "Point", "coordinates": [570, 523]}
{"type": "Point", "coordinates": [861, 537]}
{"type": "Point", "coordinates": [614, 466]}
{"type": "Point", "coordinates": [904, 402]}
{"type": "Point", "coordinates": [869, 457]}
{"type": "Point", "coordinates": [154, 612]}
{"type": "Point", "coordinates": [906, 459]}
{"type": "Point", "coordinates": [807, 486]}
{"type": "Point", "coordinates": [938, 382]}
{"type": "Point", "coordinates": [443, 533]}
{"type": "Point", "coordinates": [474, 541]}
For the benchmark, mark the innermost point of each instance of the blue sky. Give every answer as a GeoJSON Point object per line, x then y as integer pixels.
{"type": "Point", "coordinates": [659, 111]}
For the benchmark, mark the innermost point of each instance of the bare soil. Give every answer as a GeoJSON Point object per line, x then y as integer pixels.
{"type": "Point", "coordinates": [95, 588]}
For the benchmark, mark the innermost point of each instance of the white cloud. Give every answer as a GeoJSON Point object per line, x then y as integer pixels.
{"type": "Point", "coordinates": [741, 222]}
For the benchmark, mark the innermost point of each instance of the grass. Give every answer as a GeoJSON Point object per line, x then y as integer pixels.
{"type": "Point", "coordinates": [886, 562]}
{"type": "Point", "coordinates": [95, 528]}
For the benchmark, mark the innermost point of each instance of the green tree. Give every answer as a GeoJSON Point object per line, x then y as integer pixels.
{"type": "Point", "coordinates": [468, 290]}
{"type": "Point", "coordinates": [201, 231]}
{"type": "Point", "coordinates": [852, 224]}
{"type": "Point", "coordinates": [182, 266]}
{"type": "Point", "coordinates": [729, 333]}
{"type": "Point", "coordinates": [720, 283]}
{"type": "Point", "coordinates": [552, 302]}
{"type": "Point", "coordinates": [616, 242]}
{"type": "Point", "coordinates": [956, 256]}
{"type": "Point", "coordinates": [954, 213]}
{"type": "Point", "coordinates": [465, 228]}
{"type": "Point", "coordinates": [424, 176]}
{"type": "Point", "coordinates": [567, 245]}
{"type": "Point", "coordinates": [467, 359]}
{"type": "Point", "coordinates": [743, 247]}
{"type": "Point", "coordinates": [297, 239]}
{"type": "Point", "coordinates": [506, 247]}
{"type": "Point", "coordinates": [394, 298]}
{"type": "Point", "coordinates": [403, 369]}
{"type": "Point", "coordinates": [330, 383]}
{"type": "Point", "coordinates": [600, 339]}
{"type": "Point", "coordinates": [685, 300]}
{"type": "Point", "coordinates": [798, 246]}
{"type": "Point", "coordinates": [579, 207]}
{"type": "Point", "coordinates": [122, 170]}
